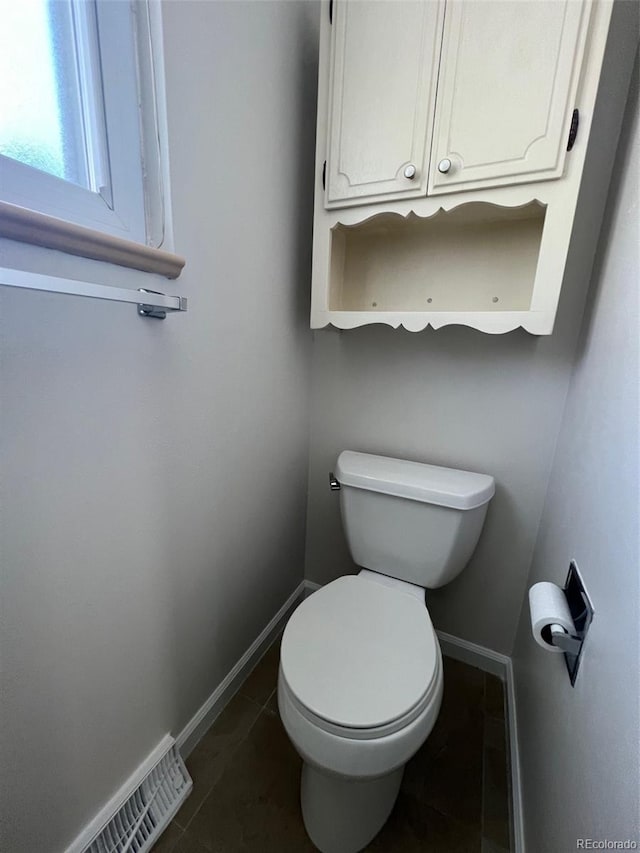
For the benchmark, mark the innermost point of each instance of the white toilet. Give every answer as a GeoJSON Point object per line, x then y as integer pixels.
{"type": "Point", "coordinates": [360, 681]}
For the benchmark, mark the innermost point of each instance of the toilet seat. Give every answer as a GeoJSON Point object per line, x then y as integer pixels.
{"type": "Point", "coordinates": [360, 733]}
{"type": "Point", "coordinates": [359, 659]}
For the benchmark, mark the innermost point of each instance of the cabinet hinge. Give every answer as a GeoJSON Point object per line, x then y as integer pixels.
{"type": "Point", "coordinates": [324, 175]}
{"type": "Point", "coordinates": [330, 11]}
{"type": "Point", "coordinates": [573, 130]}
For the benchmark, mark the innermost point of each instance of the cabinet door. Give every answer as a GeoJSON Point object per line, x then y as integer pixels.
{"type": "Point", "coordinates": [508, 79]}
{"type": "Point", "coordinates": [384, 66]}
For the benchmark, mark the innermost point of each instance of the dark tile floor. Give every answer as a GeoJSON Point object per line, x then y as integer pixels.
{"type": "Point", "coordinates": [454, 798]}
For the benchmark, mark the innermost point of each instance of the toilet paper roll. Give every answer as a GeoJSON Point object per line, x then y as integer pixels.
{"type": "Point", "coordinates": [548, 606]}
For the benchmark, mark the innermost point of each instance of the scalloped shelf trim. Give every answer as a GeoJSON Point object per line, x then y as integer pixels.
{"type": "Point", "coordinates": [534, 203]}
{"type": "Point", "coordinates": [534, 322]}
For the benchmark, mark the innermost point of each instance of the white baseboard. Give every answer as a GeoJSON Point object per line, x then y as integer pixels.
{"type": "Point", "coordinates": [224, 692]}
{"type": "Point", "coordinates": [199, 723]}
{"type": "Point", "coordinates": [310, 587]}
{"type": "Point", "coordinates": [516, 782]}
{"type": "Point", "coordinates": [500, 666]}
{"type": "Point", "coordinates": [482, 658]}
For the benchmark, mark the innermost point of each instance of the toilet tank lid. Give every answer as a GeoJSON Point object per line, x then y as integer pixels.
{"type": "Point", "coordinates": [417, 481]}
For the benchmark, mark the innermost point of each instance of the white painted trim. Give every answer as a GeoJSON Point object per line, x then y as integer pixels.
{"type": "Point", "coordinates": [224, 692]}
{"type": "Point", "coordinates": [310, 587]}
{"type": "Point", "coordinates": [500, 666]}
{"type": "Point", "coordinates": [470, 653]}
{"type": "Point", "coordinates": [79, 844]}
{"type": "Point", "coordinates": [516, 779]}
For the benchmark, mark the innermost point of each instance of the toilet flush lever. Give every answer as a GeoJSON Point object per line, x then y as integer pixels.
{"type": "Point", "coordinates": [334, 485]}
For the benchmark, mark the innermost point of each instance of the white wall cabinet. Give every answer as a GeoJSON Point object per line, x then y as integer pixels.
{"type": "Point", "coordinates": [384, 70]}
{"type": "Point", "coordinates": [508, 81]}
{"type": "Point", "coordinates": [486, 238]}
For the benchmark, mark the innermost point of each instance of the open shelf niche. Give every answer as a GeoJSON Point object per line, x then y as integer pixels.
{"type": "Point", "coordinates": [475, 257]}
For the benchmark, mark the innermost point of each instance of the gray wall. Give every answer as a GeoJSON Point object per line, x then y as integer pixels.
{"type": "Point", "coordinates": [579, 747]}
{"type": "Point", "coordinates": [154, 474]}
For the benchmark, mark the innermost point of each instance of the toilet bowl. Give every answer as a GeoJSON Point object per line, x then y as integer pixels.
{"type": "Point", "coordinates": [359, 690]}
{"type": "Point", "coordinates": [360, 681]}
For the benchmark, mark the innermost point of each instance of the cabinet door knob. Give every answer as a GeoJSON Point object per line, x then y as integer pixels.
{"type": "Point", "coordinates": [444, 165]}
{"type": "Point", "coordinates": [410, 172]}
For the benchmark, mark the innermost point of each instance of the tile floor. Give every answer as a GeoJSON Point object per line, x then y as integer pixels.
{"type": "Point", "coordinates": [454, 798]}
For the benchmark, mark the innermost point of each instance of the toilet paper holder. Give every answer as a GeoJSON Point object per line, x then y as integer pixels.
{"type": "Point", "coordinates": [581, 610]}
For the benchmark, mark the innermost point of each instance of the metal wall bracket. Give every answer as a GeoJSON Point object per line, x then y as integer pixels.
{"type": "Point", "coordinates": [569, 644]}
{"type": "Point", "coordinates": [158, 312]}
{"type": "Point", "coordinates": [581, 611]}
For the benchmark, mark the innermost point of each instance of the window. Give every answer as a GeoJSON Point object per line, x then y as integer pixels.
{"type": "Point", "coordinates": [44, 119]}
{"type": "Point", "coordinates": [78, 122]}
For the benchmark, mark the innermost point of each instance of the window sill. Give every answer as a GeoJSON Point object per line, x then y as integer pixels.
{"type": "Point", "coordinates": [39, 229]}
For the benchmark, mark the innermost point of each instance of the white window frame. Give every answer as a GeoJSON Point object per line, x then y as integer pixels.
{"type": "Point", "coordinates": [129, 201]}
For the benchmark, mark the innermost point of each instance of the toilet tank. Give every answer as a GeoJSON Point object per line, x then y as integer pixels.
{"type": "Point", "coordinates": [419, 523]}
